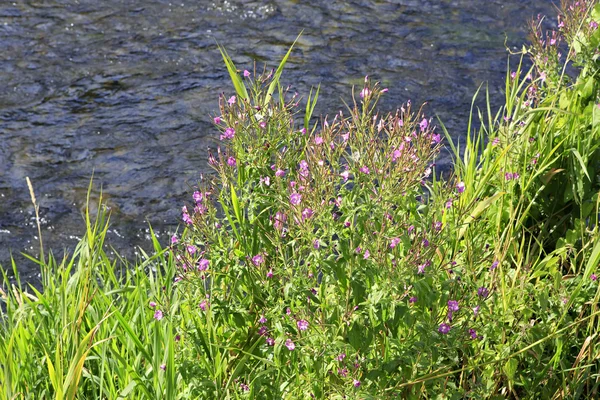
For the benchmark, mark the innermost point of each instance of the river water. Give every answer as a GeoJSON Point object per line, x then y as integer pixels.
{"type": "Point", "coordinates": [125, 89]}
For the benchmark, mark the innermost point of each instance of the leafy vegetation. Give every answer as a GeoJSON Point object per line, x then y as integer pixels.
{"type": "Point", "coordinates": [330, 261]}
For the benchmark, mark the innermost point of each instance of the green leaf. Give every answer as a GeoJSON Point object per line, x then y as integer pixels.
{"type": "Point", "coordinates": [238, 83]}
{"type": "Point", "coordinates": [277, 75]}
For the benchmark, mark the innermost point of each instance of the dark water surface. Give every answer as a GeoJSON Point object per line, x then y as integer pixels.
{"type": "Point", "coordinates": [126, 89]}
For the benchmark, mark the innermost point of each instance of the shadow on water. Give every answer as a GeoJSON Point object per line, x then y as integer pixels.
{"type": "Point", "coordinates": [126, 89]}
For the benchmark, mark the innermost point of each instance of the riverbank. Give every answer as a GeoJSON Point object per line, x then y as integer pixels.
{"type": "Point", "coordinates": [328, 260]}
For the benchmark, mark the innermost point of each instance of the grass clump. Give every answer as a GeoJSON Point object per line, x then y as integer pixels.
{"type": "Point", "coordinates": [329, 261]}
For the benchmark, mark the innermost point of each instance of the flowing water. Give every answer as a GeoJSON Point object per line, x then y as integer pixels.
{"type": "Point", "coordinates": [125, 90]}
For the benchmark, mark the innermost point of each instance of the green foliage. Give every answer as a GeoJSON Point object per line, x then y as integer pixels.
{"type": "Point", "coordinates": [327, 260]}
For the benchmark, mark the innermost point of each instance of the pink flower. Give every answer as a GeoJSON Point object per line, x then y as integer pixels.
{"type": "Point", "coordinates": [258, 260]}
{"type": "Point", "coordinates": [158, 315]}
{"type": "Point", "coordinates": [174, 239]}
{"type": "Point", "coordinates": [266, 180]}
{"type": "Point", "coordinates": [197, 197]}
{"type": "Point", "coordinates": [367, 254]}
{"type": "Point", "coordinates": [231, 100]}
{"type": "Point", "coordinates": [280, 173]}
{"type": "Point", "coordinates": [270, 341]}
{"type": "Point", "coordinates": [228, 134]}
{"type": "Point", "coordinates": [262, 124]}
{"type": "Point", "coordinates": [203, 264]}
{"type": "Point", "coordinates": [302, 325]}
{"type": "Point", "coordinates": [217, 120]}
{"type": "Point", "coordinates": [231, 162]}
{"type": "Point", "coordinates": [270, 273]}
{"type": "Point", "coordinates": [152, 304]}
{"type": "Point", "coordinates": [341, 357]}
{"type": "Point", "coordinates": [364, 170]}
{"type": "Point", "coordinates": [355, 382]}
{"type": "Point", "coordinates": [246, 73]}
{"type": "Point", "coordinates": [444, 328]}
{"type": "Point", "coordinates": [290, 345]}
{"type": "Point", "coordinates": [263, 319]}
{"type": "Point", "coordinates": [318, 140]}
{"type": "Point", "coordinates": [203, 305]}
{"type": "Point", "coordinates": [295, 198]}
{"type": "Point", "coordinates": [423, 124]}
{"type": "Point", "coordinates": [365, 93]}
{"type": "Point", "coordinates": [345, 175]}
{"type": "Point", "coordinates": [307, 213]}
{"type": "Point", "coordinates": [460, 187]}
{"type": "Point", "coordinates": [453, 305]}
{"type": "Point", "coordinates": [191, 249]}
{"type": "Point", "coordinates": [593, 277]}
{"type": "Point", "coordinates": [394, 242]}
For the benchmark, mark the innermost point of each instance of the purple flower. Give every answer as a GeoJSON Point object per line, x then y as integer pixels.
{"type": "Point", "coordinates": [191, 249]}
{"type": "Point", "coordinates": [594, 25]}
{"type": "Point", "coordinates": [494, 265]}
{"type": "Point", "coordinates": [270, 273]}
{"type": "Point", "coordinates": [421, 269]}
{"type": "Point", "coordinates": [318, 140]}
{"type": "Point", "coordinates": [436, 138]}
{"type": "Point", "coordinates": [217, 120]}
{"type": "Point", "coordinates": [262, 124]}
{"type": "Point", "coordinates": [345, 175]}
{"type": "Point", "coordinates": [228, 134]}
{"type": "Point", "coordinates": [231, 162]}
{"type": "Point", "coordinates": [266, 180]}
{"type": "Point", "coordinates": [262, 331]}
{"type": "Point", "coordinates": [425, 243]}
{"type": "Point", "coordinates": [295, 198]}
{"type": "Point", "coordinates": [424, 124]}
{"type": "Point", "coordinates": [341, 357]}
{"type": "Point", "coordinates": [316, 244]}
{"type": "Point", "coordinates": [364, 170]}
{"type": "Point", "coordinates": [364, 93]}
{"type": "Point", "coordinates": [290, 345]}
{"type": "Point", "coordinates": [343, 372]}
{"type": "Point", "coordinates": [158, 315]}
{"type": "Point", "coordinates": [593, 277]}
{"type": "Point", "coordinates": [367, 254]}
{"type": "Point", "coordinates": [307, 213]}
{"type": "Point", "coordinates": [355, 382]}
{"type": "Point", "coordinates": [280, 173]}
{"type": "Point", "coordinates": [270, 341]}
{"type": "Point", "coordinates": [483, 292]}
{"type": "Point", "coordinates": [395, 242]}
{"type": "Point", "coordinates": [258, 260]}
{"type": "Point", "coordinates": [302, 325]}
{"type": "Point", "coordinates": [288, 311]}
{"type": "Point", "coordinates": [473, 333]}
{"type": "Point", "coordinates": [413, 299]}
{"type": "Point", "coordinates": [444, 328]}
{"type": "Point", "coordinates": [476, 310]}
{"type": "Point", "coordinates": [231, 100]}
{"type": "Point", "coordinates": [203, 305]}
{"type": "Point", "coordinates": [453, 305]}
{"type": "Point", "coordinates": [163, 367]}
{"type": "Point", "coordinates": [203, 264]}
{"type": "Point", "coordinates": [449, 204]}
{"type": "Point", "coordinates": [280, 219]}
{"type": "Point", "coordinates": [437, 225]}
{"type": "Point", "coordinates": [152, 304]}
{"type": "Point", "coordinates": [262, 320]}
{"type": "Point", "coordinates": [174, 239]}
{"type": "Point", "coordinates": [246, 73]}
{"type": "Point", "coordinates": [460, 187]}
